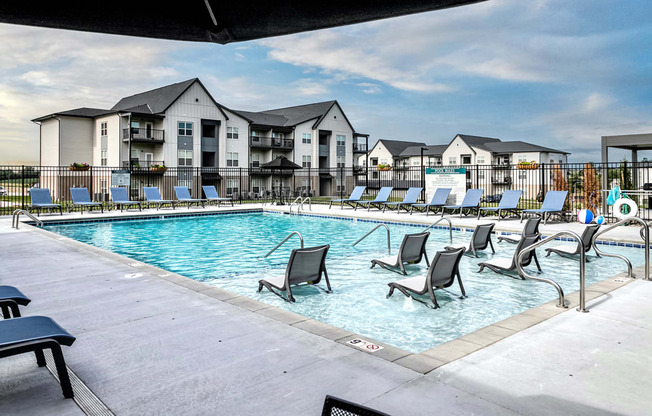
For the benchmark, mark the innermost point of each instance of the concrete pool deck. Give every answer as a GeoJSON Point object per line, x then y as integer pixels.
{"type": "Point", "coordinates": [152, 343]}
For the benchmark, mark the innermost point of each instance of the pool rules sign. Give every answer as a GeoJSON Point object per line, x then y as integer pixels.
{"type": "Point", "coordinates": [454, 178]}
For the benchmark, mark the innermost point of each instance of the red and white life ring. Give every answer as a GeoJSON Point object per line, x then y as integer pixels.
{"type": "Point", "coordinates": [633, 208]}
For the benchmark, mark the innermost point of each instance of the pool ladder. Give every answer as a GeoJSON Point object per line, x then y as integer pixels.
{"type": "Point", "coordinates": [283, 242]}
{"type": "Point", "coordinates": [300, 204]}
{"type": "Point", "coordinates": [15, 218]}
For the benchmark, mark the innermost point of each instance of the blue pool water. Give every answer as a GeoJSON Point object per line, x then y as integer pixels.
{"type": "Point", "coordinates": [225, 251]}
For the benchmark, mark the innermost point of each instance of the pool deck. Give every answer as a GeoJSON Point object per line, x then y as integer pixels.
{"type": "Point", "coordinates": [150, 342]}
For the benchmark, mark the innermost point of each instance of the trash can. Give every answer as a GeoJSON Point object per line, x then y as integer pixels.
{"type": "Point", "coordinates": [648, 187]}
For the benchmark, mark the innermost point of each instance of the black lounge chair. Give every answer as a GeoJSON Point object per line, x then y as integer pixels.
{"type": "Point", "coordinates": [306, 266]}
{"type": "Point", "coordinates": [338, 407]}
{"type": "Point", "coordinates": [502, 265]}
{"type": "Point", "coordinates": [441, 274]}
{"type": "Point", "coordinates": [35, 334]}
{"type": "Point", "coordinates": [10, 299]}
{"type": "Point", "coordinates": [480, 240]}
{"type": "Point", "coordinates": [412, 250]}
{"type": "Point", "coordinates": [531, 228]}
{"type": "Point", "coordinates": [571, 250]}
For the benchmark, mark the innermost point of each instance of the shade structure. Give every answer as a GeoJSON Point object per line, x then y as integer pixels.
{"type": "Point", "coordinates": [279, 164]}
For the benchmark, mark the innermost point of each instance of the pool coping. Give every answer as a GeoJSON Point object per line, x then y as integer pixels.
{"type": "Point", "coordinates": [423, 362]}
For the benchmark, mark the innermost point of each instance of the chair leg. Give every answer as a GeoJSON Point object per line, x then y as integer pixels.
{"type": "Point", "coordinates": [62, 371]}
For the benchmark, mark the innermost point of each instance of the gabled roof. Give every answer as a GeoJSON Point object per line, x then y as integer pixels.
{"type": "Point", "coordinates": [520, 146]}
{"type": "Point", "coordinates": [263, 118]}
{"type": "Point", "coordinates": [77, 112]}
{"type": "Point", "coordinates": [477, 141]}
{"type": "Point", "coordinates": [396, 147]}
{"type": "Point", "coordinates": [431, 150]}
{"type": "Point", "coordinates": [292, 116]}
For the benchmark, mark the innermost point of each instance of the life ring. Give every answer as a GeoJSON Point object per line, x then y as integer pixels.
{"type": "Point", "coordinates": [633, 208]}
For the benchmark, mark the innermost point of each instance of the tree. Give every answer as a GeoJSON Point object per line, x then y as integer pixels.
{"type": "Point", "coordinates": [592, 193]}
{"type": "Point", "coordinates": [559, 182]}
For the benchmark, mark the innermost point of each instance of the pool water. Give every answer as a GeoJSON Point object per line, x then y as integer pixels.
{"type": "Point", "coordinates": [226, 251]}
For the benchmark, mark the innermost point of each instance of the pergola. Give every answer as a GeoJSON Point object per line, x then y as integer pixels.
{"type": "Point", "coordinates": [631, 142]}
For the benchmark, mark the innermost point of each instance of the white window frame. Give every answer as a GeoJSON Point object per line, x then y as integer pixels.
{"type": "Point", "coordinates": [104, 129]}
{"type": "Point", "coordinates": [184, 128]}
{"type": "Point", "coordinates": [306, 138]}
{"type": "Point", "coordinates": [232, 133]}
{"type": "Point", "coordinates": [341, 140]}
{"type": "Point", "coordinates": [184, 157]}
{"type": "Point", "coordinates": [232, 159]}
{"type": "Point", "coordinates": [306, 161]}
{"type": "Point", "coordinates": [341, 161]}
{"type": "Point", "coordinates": [452, 160]}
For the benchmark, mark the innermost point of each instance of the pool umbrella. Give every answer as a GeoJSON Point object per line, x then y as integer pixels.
{"type": "Point", "coordinates": [280, 163]}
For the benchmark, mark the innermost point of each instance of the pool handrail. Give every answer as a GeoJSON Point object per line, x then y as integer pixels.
{"type": "Point", "coordinates": [450, 226]}
{"type": "Point", "coordinates": [15, 218]}
{"type": "Point", "coordinates": [389, 247]}
{"type": "Point", "coordinates": [560, 291]}
{"type": "Point", "coordinates": [303, 202]}
{"type": "Point", "coordinates": [284, 240]}
{"type": "Point", "coordinates": [645, 235]}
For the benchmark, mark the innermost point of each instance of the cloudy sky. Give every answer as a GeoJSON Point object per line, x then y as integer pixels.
{"type": "Point", "coordinates": [554, 72]}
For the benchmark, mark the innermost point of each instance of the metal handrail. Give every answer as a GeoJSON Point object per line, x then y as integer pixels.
{"type": "Point", "coordinates": [645, 235]}
{"type": "Point", "coordinates": [15, 218]}
{"type": "Point", "coordinates": [389, 248]}
{"type": "Point", "coordinates": [294, 202]}
{"type": "Point", "coordinates": [303, 201]}
{"type": "Point", "coordinates": [560, 291]}
{"type": "Point", "coordinates": [284, 240]}
{"type": "Point", "coordinates": [450, 227]}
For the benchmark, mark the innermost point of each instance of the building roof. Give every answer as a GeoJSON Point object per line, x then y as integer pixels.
{"type": "Point", "coordinates": [77, 112]}
{"type": "Point", "coordinates": [519, 147]}
{"type": "Point", "coordinates": [396, 147]}
{"type": "Point", "coordinates": [431, 150]}
{"type": "Point", "coordinates": [477, 141]}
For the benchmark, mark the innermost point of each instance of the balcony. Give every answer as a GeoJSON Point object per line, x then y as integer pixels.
{"type": "Point", "coordinates": [401, 166]}
{"type": "Point", "coordinates": [359, 169]}
{"type": "Point", "coordinates": [143, 135]}
{"type": "Point", "coordinates": [501, 166]}
{"type": "Point", "coordinates": [502, 181]}
{"type": "Point", "coordinates": [255, 169]}
{"type": "Point", "coordinates": [144, 167]}
{"type": "Point", "coordinates": [271, 143]}
{"type": "Point", "coordinates": [359, 147]}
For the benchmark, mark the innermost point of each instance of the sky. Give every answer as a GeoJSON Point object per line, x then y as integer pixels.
{"type": "Point", "coordinates": [557, 73]}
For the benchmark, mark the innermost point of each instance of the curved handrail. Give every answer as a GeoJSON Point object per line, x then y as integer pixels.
{"type": "Point", "coordinates": [303, 202]}
{"type": "Point", "coordinates": [560, 291]}
{"type": "Point", "coordinates": [645, 235]}
{"type": "Point", "coordinates": [15, 218]}
{"type": "Point", "coordinates": [389, 248]}
{"type": "Point", "coordinates": [294, 202]}
{"type": "Point", "coordinates": [284, 240]}
{"type": "Point", "coordinates": [450, 227]}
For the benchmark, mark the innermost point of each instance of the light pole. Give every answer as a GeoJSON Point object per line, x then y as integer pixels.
{"type": "Point", "coordinates": [423, 174]}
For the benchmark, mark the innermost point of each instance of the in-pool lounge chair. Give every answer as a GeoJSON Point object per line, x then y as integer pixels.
{"type": "Point", "coordinates": [81, 199]}
{"type": "Point", "coordinates": [508, 203]}
{"type": "Point", "coordinates": [35, 334]}
{"type": "Point", "coordinates": [306, 266]}
{"type": "Point", "coordinates": [441, 274]}
{"type": "Point", "coordinates": [355, 196]}
{"type": "Point", "coordinates": [502, 265]}
{"type": "Point", "coordinates": [411, 197]}
{"type": "Point", "coordinates": [10, 299]}
{"type": "Point", "coordinates": [41, 199]}
{"type": "Point", "coordinates": [470, 202]}
{"type": "Point", "coordinates": [480, 239]}
{"type": "Point", "coordinates": [553, 203]}
{"type": "Point", "coordinates": [381, 198]}
{"type": "Point", "coordinates": [153, 196]}
{"type": "Point", "coordinates": [412, 250]}
{"type": "Point", "coordinates": [334, 406]}
{"type": "Point", "coordinates": [568, 250]}
{"type": "Point", "coordinates": [438, 201]}
{"type": "Point", "coordinates": [121, 199]}
{"type": "Point", "coordinates": [212, 196]}
{"type": "Point", "coordinates": [183, 196]}
{"type": "Point", "coordinates": [530, 228]}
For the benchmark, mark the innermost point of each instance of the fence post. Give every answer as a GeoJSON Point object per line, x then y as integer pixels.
{"type": "Point", "coordinates": [341, 181]}
{"type": "Point", "coordinates": [240, 181]}
{"type": "Point", "coordinates": [91, 185]}
{"type": "Point", "coordinates": [22, 187]}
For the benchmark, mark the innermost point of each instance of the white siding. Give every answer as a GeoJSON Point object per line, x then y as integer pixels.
{"type": "Point", "coordinates": [335, 121]}
{"type": "Point", "coordinates": [76, 140]}
{"type": "Point", "coordinates": [239, 145]}
{"type": "Point", "coordinates": [50, 143]}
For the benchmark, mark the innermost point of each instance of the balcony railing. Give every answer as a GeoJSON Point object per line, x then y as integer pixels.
{"type": "Point", "coordinates": [501, 181]}
{"type": "Point", "coordinates": [145, 167]}
{"type": "Point", "coordinates": [271, 142]}
{"type": "Point", "coordinates": [359, 147]}
{"type": "Point", "coordinates": [502, 166]}
{"type": "Point", "coordinates": [143, 135]}
{"type": "Point", "coordinates": [323, 150]}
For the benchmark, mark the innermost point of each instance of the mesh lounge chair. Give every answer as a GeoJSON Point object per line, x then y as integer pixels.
{"type": "Point", "coordinates": [531, 228]}
{"type": "Point", "coordinates": [438, 201]}
{"type": "Point", "coordinates": [121, 199]}
{"type": "Point", "coordinates": [508, 203]}
{"type": "Point", "coordinates": [412, 250]}
{"type": "Point", "coordinates": [81, 199]}
{"type": "Point", "coordinates": [153, 196]}
{"type": "Point", "coordinates": [553, 203]}
{"type": "Point", "coordinates": [183, 195]}
{"type": "Point", "coordinates": [505, 265]}
{"type": "Point", "coordinates": [571, 250]}
{"type": "Point", "coordinates": [338, 407]}
{"type": "Point", "coordinates": [381, 198]}
{"type": "Point", "coordinates": [306, 266]}
{"type": "Point", "coordinates": [212, 196]}
{"type": "Point", "coordinates": [35, 334]}
{"type": "Point", "coordinates": [351, 200]}
{"type": "Point", "coordinates": [471, 201]}
{"type": "Point", "coordinates": [441, 274]}
{"type": "Point", "coordinates": [480, 239]}
{"type": "Point", "coordinates": [10, 299]}
{"type": "Point", "coordinates": [41, 199]}
{"type": "Point", "coordinates": [411, 197]}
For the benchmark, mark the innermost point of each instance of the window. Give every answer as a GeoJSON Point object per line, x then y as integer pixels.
{"type": "Point", "coordinates": [480, 160]}
{"type": "Point", "coordinates": [452, 160]}
{"type": "Point", "coordinates": [338, 185]}
{"type": "Point", "coordinates": [104, 131]}
{"type": "Point", "coordinates": [306, 138]}
{"type": "Point", "coordinates": [522, 174]}
{"type": "Point", "coordinates": [306, 161]}
{"type": "Point", "coordinates": [208, 159]}
{"type": "Point", "coordinates": [231, 132]}
{"type": "Point", "coordinates": [135, 127]}
{"type": "Point", "coordinates": [103, 157]}
{"type": "Point", "coordinates": [466, 159]}
{"type": "Point", "coordinates": [522, 158]}
{"type": "Point", "coordinates": [480, 175]}
{"type": "Point", "coordinates": [186, 183]}
{"type": "Point", "coordinates": [256, 185]}
{"type": "Point", "coordinates": [416, 162]}
{"type": "Point", "coordinates": [185, 157]}
{"type": "Point", "coordinates": [341, 140]}
{"type": "Point", "coordinates": [232, 186]}
{"type": "Point", "coordinates": [341, 161]}
{"type": "Point", "coordinates": [185, 128]}
{"type": "Point", "coordinates": [231, 159]}
{"type": "Point", "coordinates": [255, 160]}
{"type": "Point", "coordinates": [209, 130]}
{"type": "Point", "coordinates": [103, 186]}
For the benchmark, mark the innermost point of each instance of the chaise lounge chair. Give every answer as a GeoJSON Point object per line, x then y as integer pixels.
{"type": "Point", "coordinates": [81, 199]}
{"type": "Point", "coordinates": [212, 196]}
{"type": "Point", "coordinates": [508, 203]}
{"type": "Point", "coordinates": [352, 199]}
{"type": "Point", "coordinates": [334, 406]}
{"type": "Point", "coordinates": [471, 201]}
{"type": "Point", "coordinates": [502, 265]}
{"type": "Point", "coordinates": [480, 239]}
{"type": "Point", "coordinates": [553, 203]}
{"type": "Point", "coordinates": [441, 274]}
{"type": "Point", "coordinates": [183, 195]}
{"type": "Point", "coordinates": [438, 201]}
{"type": "Point", "coordinates": [381, 198]}
{"type": "Point", "coordinates": [153, 196]}
{"type": "Point", "coordinates": [121, 199]}
{"type": "Point", "coordinates": [10, 299]}
{"type": "Point", "coordinates": [412, 250]}
{"type": "Point", "coordinates": [35, 334]}
{"type": "Point", "coordinates": [531, 228]}
{"type": "Point", "coordinates": [306, 266]}
{"type": "Point", "coordinates": [571, 250]}
{"type": "Point", "coordinates": [411, 197]}
{"type": "Point", "coordinates": [41, 199]}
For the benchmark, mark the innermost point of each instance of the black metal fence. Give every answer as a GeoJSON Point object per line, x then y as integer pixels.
{"type": "Point", "coordinates": [586, 183]}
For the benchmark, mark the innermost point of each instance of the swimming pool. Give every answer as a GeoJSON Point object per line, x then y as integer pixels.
{"type": "Point", "coordinates": [225, 250]}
